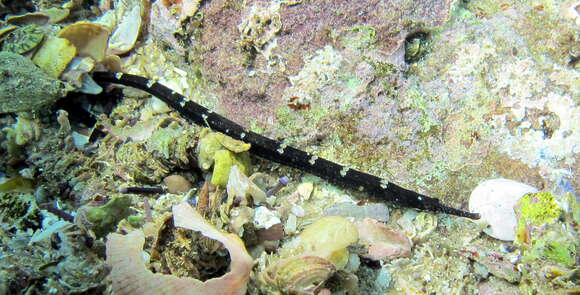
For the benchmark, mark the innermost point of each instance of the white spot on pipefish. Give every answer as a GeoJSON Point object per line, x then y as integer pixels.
{"type": "Point", "coordinates": [313, 160]}
{"type": "Point", "coordinates": [384, 183]}
{"type": "Point", "coordinates": [242, 135]}
{"type": "Point", "coordinates": [119, 76]}
{"type": "Point", "coordinates": [204, 117]}
{"type": "Point", "coordinates": [150, 83]}
{"type": "Point", "coordinates": [344, 171]}
{"type": "Point", "coordinates": [282, 147]}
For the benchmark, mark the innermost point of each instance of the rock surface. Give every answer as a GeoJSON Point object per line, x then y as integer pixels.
{"type": "Point", "coordinates": [23, 86]}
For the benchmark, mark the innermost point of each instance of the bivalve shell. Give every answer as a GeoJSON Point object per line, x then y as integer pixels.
{"type": "Point", "coordinates": [23, 40]}
{"type": "Point", "coordinates": [299, 274]}
{"type": "Point", "coordinates": [54, 56]}
{"type": "Point", "coordinates": [127, 31]}
{"type": "Point", "coordinates": [90, 39]}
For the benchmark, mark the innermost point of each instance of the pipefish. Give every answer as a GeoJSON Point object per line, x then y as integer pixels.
{"type": "Point", "coordinates": [281, 153]}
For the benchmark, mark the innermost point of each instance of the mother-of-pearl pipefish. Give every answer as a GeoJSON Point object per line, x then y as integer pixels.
{"type": "Point", "coordinates": [281, 153]}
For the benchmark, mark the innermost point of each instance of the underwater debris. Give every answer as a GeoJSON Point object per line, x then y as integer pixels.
{"type": "Point", "coordinates": [131, 276]}
{"type": "Point", "coordinates": [495, 200]}
{"type": "Point", "coordinates": [127, 28]}
{"type": "Point", "coordinates": [240, 188]}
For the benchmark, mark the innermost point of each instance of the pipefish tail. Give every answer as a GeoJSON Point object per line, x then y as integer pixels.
{"type": "Point", "coordinates": [281, 153]}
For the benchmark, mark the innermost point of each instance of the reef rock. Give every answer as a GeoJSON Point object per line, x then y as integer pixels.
{"type": "Point", "coordinates": [24, 87]}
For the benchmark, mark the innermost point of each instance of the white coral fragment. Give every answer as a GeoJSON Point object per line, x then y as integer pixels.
{"type": "Point", "coordinates": [495, 200]}
{"type": "Point", "coordinates": [130, 275]}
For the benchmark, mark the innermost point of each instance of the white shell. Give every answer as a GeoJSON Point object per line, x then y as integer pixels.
{"type": "Point", "coordinates": [125, 35]}
{"type": "Point", "coordinates": [495, 200]}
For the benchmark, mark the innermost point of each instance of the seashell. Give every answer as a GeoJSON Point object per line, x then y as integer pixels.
{"type": "Point", "coordinates": [264, 218]}
{"type": "Point", "coordinates": [495, 201]}
{"type": "Point", "coordinates": [112, 63]}
{"type": "Point", "coordinates": [76, 68]}
{"type": "Point", "coordinates": [90, 39]}
{"type": "Point", "coordinates": [125, 35]}
{"type": "Point", "coordinates": [5, 30]}
{"type": "Point", "coordinates": [328, 238]}
{"type": "Point", "coordinates": [299, 274]}
{"type": "Point", "coordinates": [54, 56]}
{"type": "Point", "coordinates": [381, 241]}
{"type": "Point", "coordinates": [33, 18]}
{"type": "Point", "coordinates": [130, 275]}
{"type": "Point", "coordinates": [56, 14]}
{"type": "Point", "coordinates": [23, 40]}
{"type": "Point", "coordinates": [240, 187]}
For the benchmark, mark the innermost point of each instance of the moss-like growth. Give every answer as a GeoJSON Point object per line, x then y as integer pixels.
{"type": "Point", "coordinates": [104, 218]}
{"type": "Point", "coordinates": [224, 160]}
{"type": "Point", "coordinates": [535, 210]}
{"type": "Point", "coordinates": [19, 210]}
{"type": "Point", "coordinates": [358, 37]}
{"type": "Point", "coordinates": [135, 220]}
{"type": "Point", "coordinates": [538, 209]}
{"type": "Point", "coordinates": [538, 232]}
{"type": "Point", "coordinates": [551, 247]}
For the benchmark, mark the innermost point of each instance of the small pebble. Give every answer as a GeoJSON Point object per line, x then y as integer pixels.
{"type": "Point", "coordinates": [176, 184]}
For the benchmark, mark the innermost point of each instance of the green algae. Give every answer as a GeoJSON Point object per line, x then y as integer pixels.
{"type": "Point", "coordinates": [539, 231]}
{"type": "Point", "coordinates": [538, 209]}
{"type": "Point", "coordinates": [19, 209]}
{"type": "Point", "coordinates": [104, 219]}
{"type": "Point", "coordinates": [358, 37]}
{"type": "Point", "coordinates": [17, 184]}
{"type": "Point", "coordinates": [136, 221]}
{"type": "Point", "coordinates": [224, 160]}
